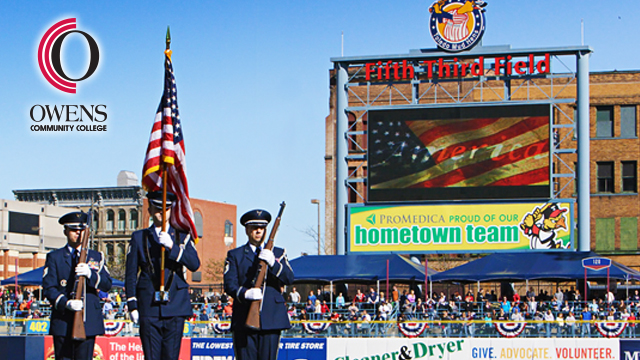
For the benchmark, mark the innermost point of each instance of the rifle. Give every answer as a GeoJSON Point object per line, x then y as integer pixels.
{"type": "Point", "coordinates": [78, 331]}
{"type": "Point", "coordinates": [253, 317]}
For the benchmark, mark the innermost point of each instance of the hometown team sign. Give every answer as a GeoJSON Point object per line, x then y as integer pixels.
{"type": "Point", "coordinates": [461, 228]}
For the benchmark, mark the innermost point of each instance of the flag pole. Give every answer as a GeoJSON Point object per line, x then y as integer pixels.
{"type": "Point", "coordinates": [164, 220]}
{"type": "Point", "coordinates": [164, 189]}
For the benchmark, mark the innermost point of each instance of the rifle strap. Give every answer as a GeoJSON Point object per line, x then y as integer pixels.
{"type": "Point", "coordinates": [146, 246]}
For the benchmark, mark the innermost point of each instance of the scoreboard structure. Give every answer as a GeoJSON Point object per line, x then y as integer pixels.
{"type": "Point", "coordinates": [462, 152]}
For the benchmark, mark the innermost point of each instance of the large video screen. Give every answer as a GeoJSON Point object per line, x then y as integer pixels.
{"type": "Point", "coordinates": [459, 153]}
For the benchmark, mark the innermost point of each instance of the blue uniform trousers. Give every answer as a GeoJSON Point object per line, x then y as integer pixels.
{"type": "Point", "coordinates": [67, 348]}
{"type": "Point", "coordinates": [256, 345]}
{"type": "Point", "coordinates": [161, 337]}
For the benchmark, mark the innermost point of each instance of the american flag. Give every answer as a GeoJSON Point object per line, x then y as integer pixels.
{"type": "Point", "coordinates": [505, 151]}
{"type": "Point", "coordinates": [166, 145]}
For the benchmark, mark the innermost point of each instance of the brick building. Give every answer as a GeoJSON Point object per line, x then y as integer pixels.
{"type": "Point", "coordinates": [614, 143]}
{"type": "Point", "coordinates": [215, 223]}
{"type": "Point", "coordinates": [118, 212]}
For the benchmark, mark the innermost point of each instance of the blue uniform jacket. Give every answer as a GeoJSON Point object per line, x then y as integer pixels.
{"type": "Point", "coordinates": [143, 275]}
{"type": "Point", "coordinates": [240, 269]}
{"type": "Point", "coordinates": [58, 282]}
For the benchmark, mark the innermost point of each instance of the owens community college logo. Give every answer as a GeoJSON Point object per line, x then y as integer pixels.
{"type": "Point", "coordinates": [457, 25]}
{"type": "Point", "coordinates": [49, 55]}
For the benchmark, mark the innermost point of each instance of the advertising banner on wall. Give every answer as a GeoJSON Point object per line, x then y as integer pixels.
{"type": "Point", "coordinates": [290, 349]}
{"type": "Point", "coordinates": [117, 348]}
{"type": "Point", "coordinates": [629, 349]}
{"type": "Point", "coordinates": [461, 228]}
{"type": "Point", "coordinates": [472, 348]}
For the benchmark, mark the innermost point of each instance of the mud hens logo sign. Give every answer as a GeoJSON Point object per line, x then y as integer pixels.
{"type": "Point", "coordinates": [457, 25]}
{"type": "Point", "coordinates": [49, 55]}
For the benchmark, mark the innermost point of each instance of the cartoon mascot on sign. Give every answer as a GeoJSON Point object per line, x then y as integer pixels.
{"type": "Point", "coordinates": [541, 226]}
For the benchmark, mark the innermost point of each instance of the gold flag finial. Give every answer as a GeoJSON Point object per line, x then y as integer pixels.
{"type": "Point", "coordinates": [168, 50]}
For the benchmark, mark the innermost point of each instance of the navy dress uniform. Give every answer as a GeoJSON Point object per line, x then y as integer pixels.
{"type": "Point", "coordinates": [240, 271]}
{"type": "Point", "coordinates": [161, 322]}
{"type": "Point", "coordinates": [58, 284]}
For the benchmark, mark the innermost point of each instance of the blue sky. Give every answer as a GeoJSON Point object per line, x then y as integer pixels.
{"type": "Point", "coordinates": [253, 86]}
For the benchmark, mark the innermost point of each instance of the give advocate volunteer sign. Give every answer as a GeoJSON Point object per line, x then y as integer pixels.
{"type": "Point", "coordinates": [466, 349]}
{"type": "Point", "coordinates": [460, 228]}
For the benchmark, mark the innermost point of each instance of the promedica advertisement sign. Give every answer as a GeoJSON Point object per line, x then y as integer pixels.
{"type": "Point", "coordinates": [470, 348]}
{"type": "Point", "coordinates": [475, 228]}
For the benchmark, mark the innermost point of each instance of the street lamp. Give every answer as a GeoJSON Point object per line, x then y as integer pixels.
{"type": "Point", "coordinates": [317, 202]}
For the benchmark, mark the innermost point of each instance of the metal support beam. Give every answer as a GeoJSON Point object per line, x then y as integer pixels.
{"type": "Point", "coordinates": [342, 169]}
{"type": "Point", "coordinates": [583, 175]}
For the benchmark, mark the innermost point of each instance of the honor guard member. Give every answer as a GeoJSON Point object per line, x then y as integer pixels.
{"type": "Point", "coordinates": [239, 273]}
{"type": "Point", "coordinates": [161, 315]}
{"type": "Point", "coordinates": [60, 272]}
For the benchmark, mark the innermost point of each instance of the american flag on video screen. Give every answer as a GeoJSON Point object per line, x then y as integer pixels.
{"type": "Point", "coordinates": [507, 151]}
{"type": "Point", "coordinates": [166, 145]}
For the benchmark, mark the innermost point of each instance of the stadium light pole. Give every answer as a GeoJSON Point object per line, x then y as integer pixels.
{"type": "Point", "coordinates": [317, 202]}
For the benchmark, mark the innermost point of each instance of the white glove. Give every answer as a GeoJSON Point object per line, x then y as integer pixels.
{"type": "Point", "coordinates": [74, 305]}
{"type": "Point", "coordinates": [134, 316]}
{"type": "Point", "coordinates": [165, 240]}
{"type": "Point", "coordinates": [267, 256]}
{"type": "Point", "coordinates": [83, 270]}
{"type": "Point", "coordinates": [253, 294]}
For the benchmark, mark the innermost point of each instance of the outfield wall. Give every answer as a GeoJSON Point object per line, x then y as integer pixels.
{"type": "Point", "coordinates": [129, 348]}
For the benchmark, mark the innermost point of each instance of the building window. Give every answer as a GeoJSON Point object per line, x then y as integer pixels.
{"type": "Point", "coordinates": [604, 121]}
{"type": "Point", "coordinates": [110, 219]}
{"type": "Point", "coordinates": [108, 252]}
{"type": "Point", "coordinates": [121, 249]}
{"type": "Point", "coordinates": [133, 219]}
{"type": "Point", "coordinates": [628, 126]}
{"type": "Point", "coordinates": [228, 228]}
{"type": "Point", "coordinates": [22, 223]}
{"type": "Point", "coordinates": [629, 234]}
{"type": "Point", "coordinates": [629, 177]}
{"type": "Point", "coordinates": [95, 219]}
{"type": "Point", "coordinates": [198, 222]}
{"type": "Point", "coordinates": [122, 219]}
{"type": "Point", "coordinates": [605, 234]}
{"type": "Point", "coordinates": [605, 177]}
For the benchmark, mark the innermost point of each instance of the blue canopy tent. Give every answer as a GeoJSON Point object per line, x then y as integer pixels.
{"type": "Point", "coordinates": [550, 266]}
{"type": "Point", "coordinates": [356, 268]}
{"type": "Point", "coordinates": [34, 277]}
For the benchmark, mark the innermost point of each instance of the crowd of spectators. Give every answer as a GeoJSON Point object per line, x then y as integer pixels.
{"type": "Point", "coordinates": [21, 304]}
{"type": "Point", "coordinates": [563, 313]}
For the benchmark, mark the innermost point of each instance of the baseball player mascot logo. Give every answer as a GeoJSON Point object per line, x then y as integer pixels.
{"type": "Point", "coordinates": [541, 226]}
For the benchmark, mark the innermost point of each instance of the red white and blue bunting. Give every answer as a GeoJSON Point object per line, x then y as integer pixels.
{"type": "Point", "coordinates": [412, 329]}
{"type": "Point", "coordinates": [221, 327]}
{"type": "Point", "coordinates": [510, 329]}
{"type": "Point", "coordinates": [113, 328]}
{"type": "Point", "coordinates": [315, 327]}
{"type": "Point", "coordinates": [611, 329]}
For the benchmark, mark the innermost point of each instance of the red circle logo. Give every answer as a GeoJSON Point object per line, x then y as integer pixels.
{"type": "Point", "coordinates": [49, 55]}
